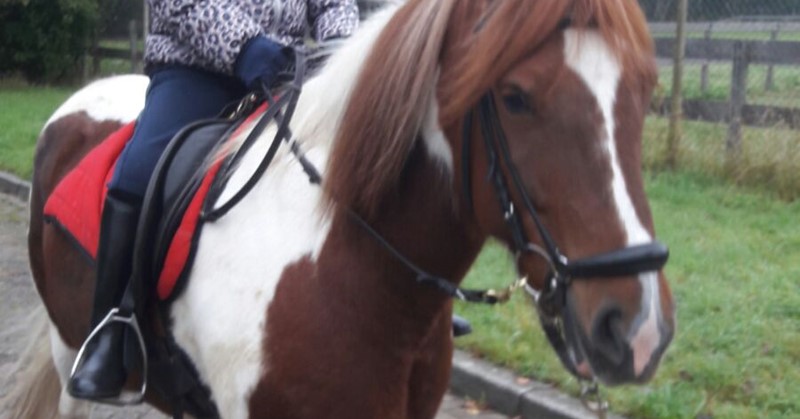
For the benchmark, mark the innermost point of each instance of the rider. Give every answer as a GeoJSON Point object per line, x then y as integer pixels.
{"type": "Point", "coordinates": [200, 55]}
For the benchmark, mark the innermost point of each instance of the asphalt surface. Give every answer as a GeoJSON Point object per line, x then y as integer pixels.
{"type": "Point", "coordinates": [18, 298]}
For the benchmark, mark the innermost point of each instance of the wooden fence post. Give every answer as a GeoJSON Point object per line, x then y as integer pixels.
{"type": "Point", "coordinates": [145, 19]}
{"type": "Point", "coordinates": [95, 57]}
{"type": "Point", "coordinates": [676, 109]}
{"type": "Point", "coordinates": [769, 84]}
{"type": "Point", "coordinates": [741, 61]}
{"type": "Point", "coordinates": [134, 38]}
{"type": "Point", "coordinates": [704, 69]}
{"type": "Point", "coordinates": [84, 67]}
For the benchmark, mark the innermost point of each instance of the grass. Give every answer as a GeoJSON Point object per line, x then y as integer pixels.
{"type": "Point", "coordinates": [784, 35]}
{"type": "Point", "coordinates": [786, 91]}
{"type": "Point", "coordinates": [734, 274]}
{"type": "Point", "coordinates": [24, 113]}
{"type": "Point", "coordinates": [770, 156]}
{"type": "Point", "coordinates": [121, 43]}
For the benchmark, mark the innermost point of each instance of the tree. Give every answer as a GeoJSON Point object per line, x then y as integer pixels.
{"type": "Point", "coordinates": [114, 15]}
{"type": "Point", "coordinates": [44, 40]}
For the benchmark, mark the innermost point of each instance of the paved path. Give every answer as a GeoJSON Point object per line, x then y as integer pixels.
{"type": "Point", "coordinates": [17, 297]}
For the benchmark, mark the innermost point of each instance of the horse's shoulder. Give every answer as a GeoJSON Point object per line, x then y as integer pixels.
{"type": "Point", "coordinates": [84, 120]}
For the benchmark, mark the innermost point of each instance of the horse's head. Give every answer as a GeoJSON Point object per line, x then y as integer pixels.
{"type": "Point", "coordinates": [550, 164]}
{"type": "Point", "coordinates": [541, 104]}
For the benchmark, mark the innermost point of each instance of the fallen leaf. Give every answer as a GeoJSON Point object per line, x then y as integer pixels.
{"type": "Point", "coordinates": [472, 407]}
{"type": "Point", "coordinates": [523, 381]}
{"type": "Point", "coordinates": [685, 375]}
{"type": "Point", "coordinates": [749, 387]}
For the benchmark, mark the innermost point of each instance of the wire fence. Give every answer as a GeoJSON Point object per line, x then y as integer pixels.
{"type": "Point", "coordinates": [740, 82]}
{"type": "Point", "coordinates": [740, 91]}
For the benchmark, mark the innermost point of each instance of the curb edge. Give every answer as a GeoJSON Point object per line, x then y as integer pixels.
{"type": "Point", "coordinates": [14, 186]}
{"type": "Point", "coordinates": [500, 389]}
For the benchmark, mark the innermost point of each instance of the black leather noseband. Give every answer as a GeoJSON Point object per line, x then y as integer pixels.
{"type": "Point", "coordinates": [550, 301]}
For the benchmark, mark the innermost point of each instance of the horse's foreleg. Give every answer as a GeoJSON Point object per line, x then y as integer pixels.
{"type": "Point", "coordinates": [431, 371]}
{"type": "Point", "coordinates": [37, 389]}
{"type": "Point", "coordinates": [63, 358]}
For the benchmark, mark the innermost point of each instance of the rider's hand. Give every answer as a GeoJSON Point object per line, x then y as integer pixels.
{"type": "Point", "coordinates": [260, 61]}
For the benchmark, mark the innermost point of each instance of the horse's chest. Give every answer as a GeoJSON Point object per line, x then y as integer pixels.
{"type": "Point", "coordinates": [220, 318]}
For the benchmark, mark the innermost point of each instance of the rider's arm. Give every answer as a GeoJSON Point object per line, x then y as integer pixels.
{"type": "Point", "coordinates": [332, 18]}
{"type": "Point", "coordinates": [225, 36]}
{"type": "Point", "coordinates": [215, 30]}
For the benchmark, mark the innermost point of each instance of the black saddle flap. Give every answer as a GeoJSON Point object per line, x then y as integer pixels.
{"type": "Point", "coordinates": [182, 177]}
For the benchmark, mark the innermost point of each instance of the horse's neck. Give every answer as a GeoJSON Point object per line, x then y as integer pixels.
{"type": "Point", "coordinates": [277, 270]}
{"type": "Point", "coordinates": [422, 222]}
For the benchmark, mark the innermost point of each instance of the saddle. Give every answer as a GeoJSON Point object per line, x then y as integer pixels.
{"type": "Point", "coordinates": [171, 212]}
{"type": "Point", "coordinates": [185, 180]}
{"type": "Point", "coordinates": [181, 197]}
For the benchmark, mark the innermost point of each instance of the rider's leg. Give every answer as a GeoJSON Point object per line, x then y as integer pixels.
{"type": "Point", "coordinates": [176, 96]}
{"type": "Point", "coordinates": [461, 326]}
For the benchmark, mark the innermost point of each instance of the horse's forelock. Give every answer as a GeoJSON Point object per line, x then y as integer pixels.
{"type": "Point", "coordinates": [399, 78]}
{"type": "Point", "coordinates": [512, 29]}
{"type": "Point", "coordinates": [624, 27]}
{"type": "Point", "coordinates": [387, 106]}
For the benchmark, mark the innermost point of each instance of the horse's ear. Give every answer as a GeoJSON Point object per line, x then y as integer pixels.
{"type": "Point", "coordinates": [387, 106]}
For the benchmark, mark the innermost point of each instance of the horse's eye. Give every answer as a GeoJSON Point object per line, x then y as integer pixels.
{"type": "Point", "coordinates": [517, 102]}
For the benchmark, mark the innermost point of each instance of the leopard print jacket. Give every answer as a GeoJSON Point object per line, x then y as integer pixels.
{"type": "Point", "coordinates": [209, 34]}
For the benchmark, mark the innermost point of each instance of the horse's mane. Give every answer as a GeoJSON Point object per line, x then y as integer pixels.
{"type": "Point", "coordinates": [399, 78]}
{"type": "Point", "coordinates": [515, 28]}
{"type": "Point", "coordinates": [387, 106]}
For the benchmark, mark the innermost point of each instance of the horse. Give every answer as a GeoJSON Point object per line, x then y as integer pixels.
{"type": "Point", "coordinates": [438, 126]}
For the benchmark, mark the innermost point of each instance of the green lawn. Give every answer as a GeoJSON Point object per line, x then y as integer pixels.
{"type": "Point", "coordinates": [121, 43]}
{"type": "Point", "coordinates": [734, 272]}
{"type": "Point", "coordinates": [24, 112]}
{"type": "Point", "coordinates": [738, 35]}
{"type": "Point", "coordinates": [786, 91]}
{"type": "Point", "coordinates": [770, 162]}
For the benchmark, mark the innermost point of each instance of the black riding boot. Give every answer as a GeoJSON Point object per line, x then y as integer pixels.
{"type": "Point", "coordinates": [461, 326]}
{"type": "Point", "coordinates": [102, 373]}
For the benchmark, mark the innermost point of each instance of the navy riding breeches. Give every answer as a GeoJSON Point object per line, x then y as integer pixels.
{"type": "Point", "coordinates": [176, 96]}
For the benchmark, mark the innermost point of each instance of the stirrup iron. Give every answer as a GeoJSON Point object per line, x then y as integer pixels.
{"type": "Point", "coordinates": [113, 316]}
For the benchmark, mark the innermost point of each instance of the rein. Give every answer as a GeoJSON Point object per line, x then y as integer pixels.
{"type": "Point", "coordinates": [289, 100]}
{"type": "Point", "coordinates": [551, 301]}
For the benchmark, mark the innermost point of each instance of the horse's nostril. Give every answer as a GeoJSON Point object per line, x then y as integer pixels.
{"type": "Point", "coordinates": [608, 336]}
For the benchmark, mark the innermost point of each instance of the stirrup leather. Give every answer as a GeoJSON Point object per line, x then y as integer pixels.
{"type": "Point", "coordinates": [113, 316]}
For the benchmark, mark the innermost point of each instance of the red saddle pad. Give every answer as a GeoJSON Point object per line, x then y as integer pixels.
{"type": "Point", "coordinates": [76, 204]}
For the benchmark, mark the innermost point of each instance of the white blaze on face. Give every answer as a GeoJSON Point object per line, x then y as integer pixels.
{"type": "Point", "coordinates": [588, 55]}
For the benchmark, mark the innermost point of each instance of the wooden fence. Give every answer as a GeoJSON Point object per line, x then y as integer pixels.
{"type": "Point", "coordinates": [97, 53]}
{"type": "Point", "coordinates": [782, 27]}
{"type": "Point", "coordinates": [742, 54]}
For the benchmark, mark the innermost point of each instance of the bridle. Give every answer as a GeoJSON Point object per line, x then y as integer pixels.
{"type": "Point", "coordinates": [550, 301]}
